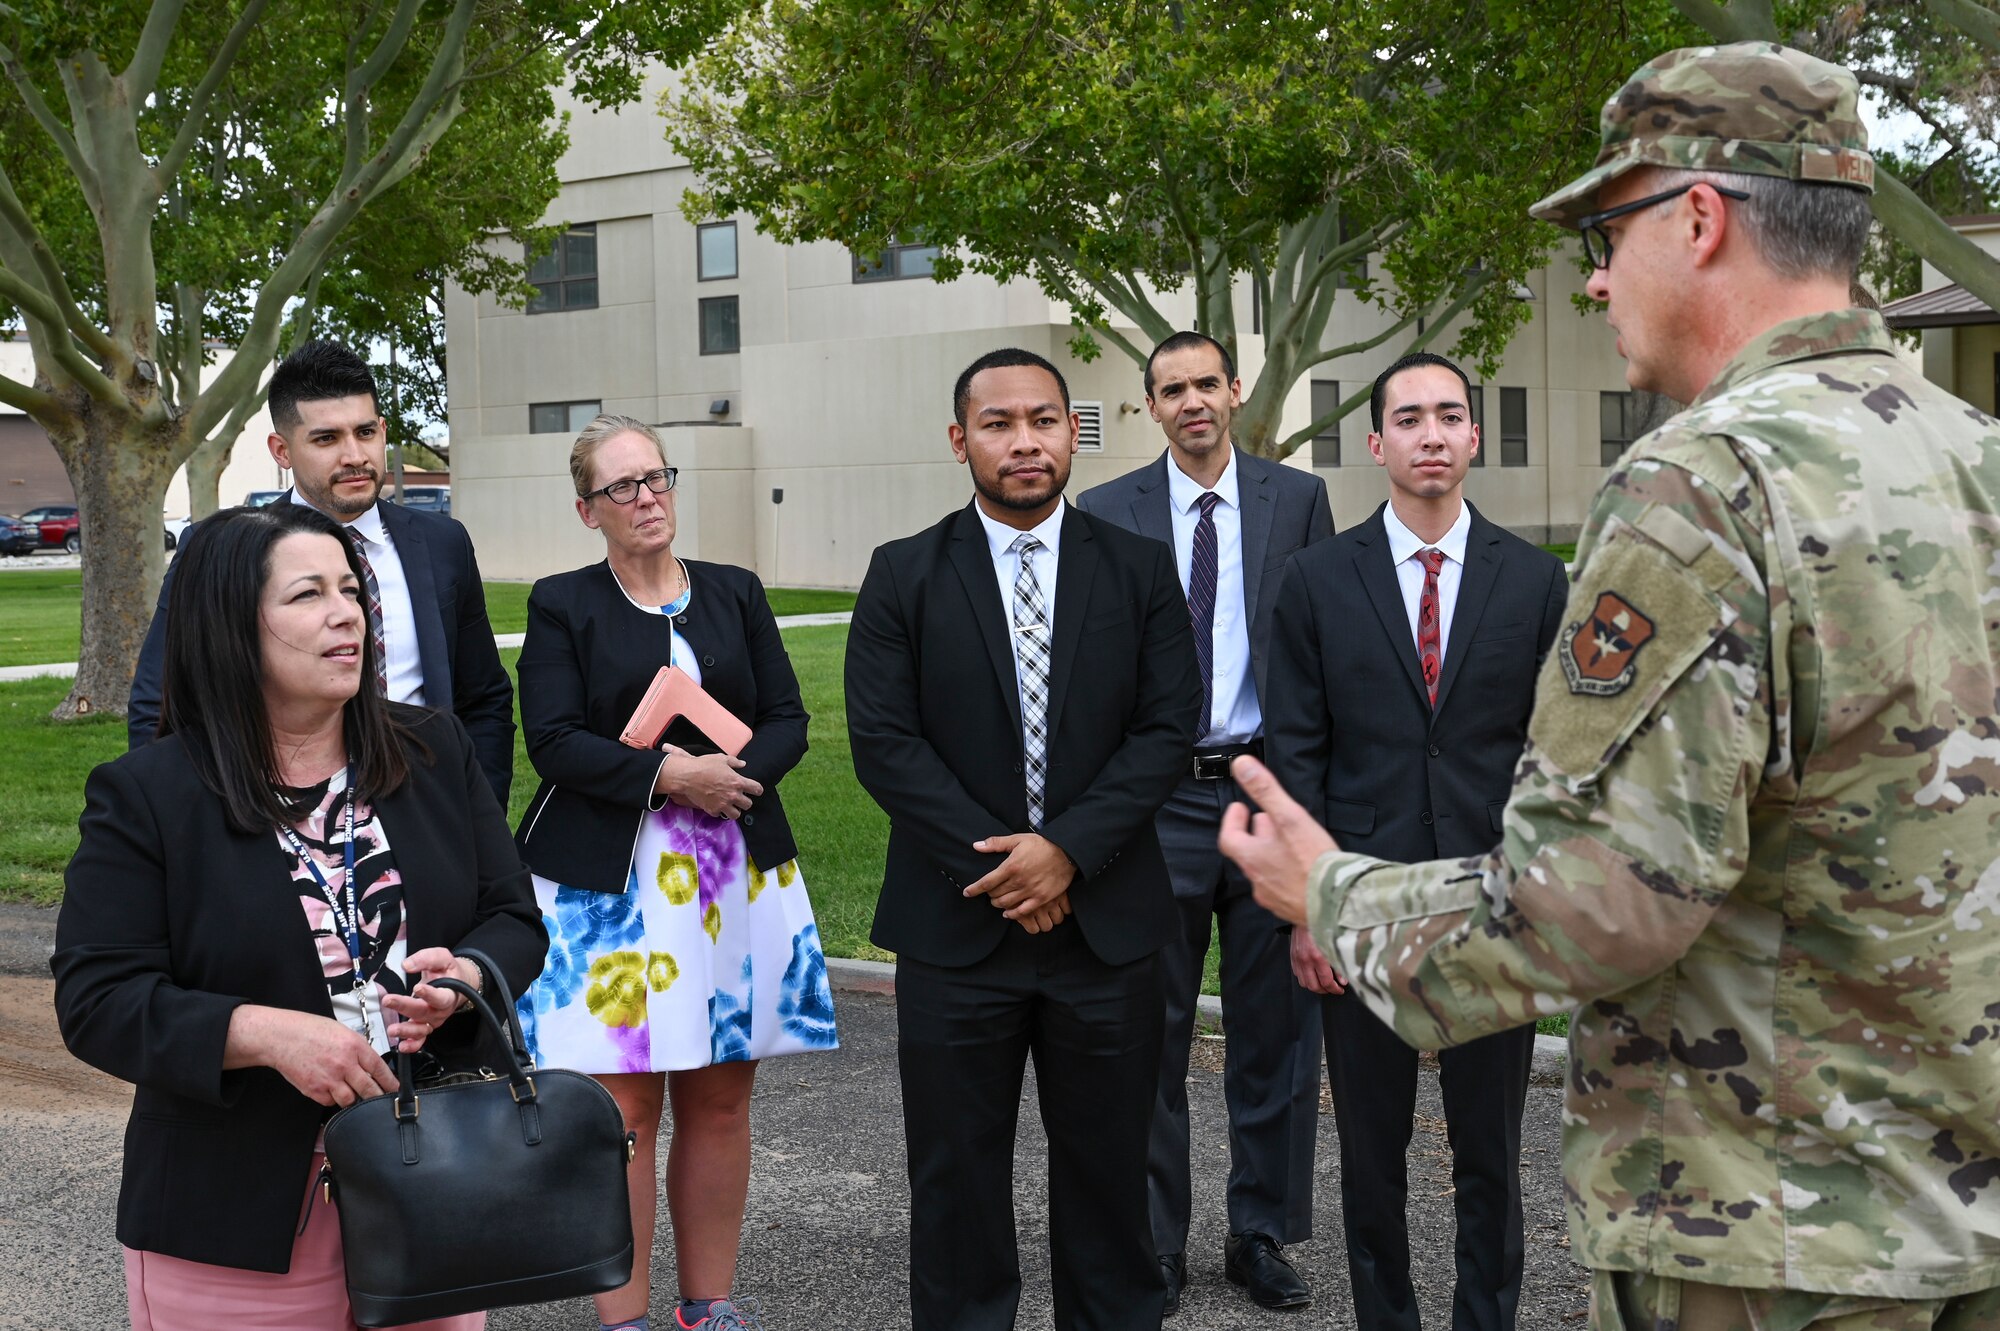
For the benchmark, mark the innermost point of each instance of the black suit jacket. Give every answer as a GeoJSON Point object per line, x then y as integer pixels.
{"type": "Point", "coordinates": [462, 670]}
{"type": "Point", "coordinates": [586, 663]}
{"type": "Point", "coordinates": [934, 716]}
{"type": "Point", "coordinates": [1349, 730]}
{"type": "Point", "coordinates": [170, 920]}
{"type": "Point", "coordinates": [1284, 510]}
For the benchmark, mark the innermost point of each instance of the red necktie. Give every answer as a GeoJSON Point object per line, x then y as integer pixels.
{"type": "Point", "coordinates": [1429, 654]}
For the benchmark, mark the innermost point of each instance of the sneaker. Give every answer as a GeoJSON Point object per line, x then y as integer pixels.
{"type": "Point", "coordinates": [722, 1316]}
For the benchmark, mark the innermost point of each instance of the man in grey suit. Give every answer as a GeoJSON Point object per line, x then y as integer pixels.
{"type": "Point", "coordinates": [1232, 520]}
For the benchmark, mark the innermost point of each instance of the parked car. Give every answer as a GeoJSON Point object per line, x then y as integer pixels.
{"type": "Point", "coordinates": [177, 528]}
{"type": "Point", "coordinates": [58, 526]}
{"type": "Point", "coordinates": [429, 498]}
{"type": "Point", "coordinates": [19, 537]}
{"type": "Point", "coordinates": [259, 498]}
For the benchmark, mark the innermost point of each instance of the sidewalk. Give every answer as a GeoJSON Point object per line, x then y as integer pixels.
{"type": "Point", "coordinates": [825, 1239]}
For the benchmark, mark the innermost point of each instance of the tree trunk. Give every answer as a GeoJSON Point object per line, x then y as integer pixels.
{"type": "Point", "coordinates": [204, 474]}
{"type": "Point", "coordinates": [121, 483]}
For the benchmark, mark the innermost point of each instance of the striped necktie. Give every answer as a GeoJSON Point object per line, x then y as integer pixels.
{"type": "Point", "coordinates": [1031, 656]}
{"type": "Point", "coordinates": [371, 592]}
{"type": "Point", "coordinates": [1429, 638]}
{"type": "Point", "coordinates": [1201, 604]}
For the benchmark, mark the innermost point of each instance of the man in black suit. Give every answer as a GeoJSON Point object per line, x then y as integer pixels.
{"type": "Point", "coordinates": [1402, 676]}
{"type": "Point", "coordinates": [426, 598]}
{"type": "Point", "coordinates": [1021, 698]}
{"type": "Point", "coordinates": [1230, 518]}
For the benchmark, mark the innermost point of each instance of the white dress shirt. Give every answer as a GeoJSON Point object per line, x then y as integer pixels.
{"type": "Point", "coordinates": [1000, 539]}
{"type": "Point", "coordinates": [1403, 548]}
{"type": "Point", "coordinates": [1234, 716]}
{"type": "Point", "coordinates": [399, 615]}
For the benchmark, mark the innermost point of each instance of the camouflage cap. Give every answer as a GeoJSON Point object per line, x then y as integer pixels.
{"type": "Point", "coordinates": [1752, 107]}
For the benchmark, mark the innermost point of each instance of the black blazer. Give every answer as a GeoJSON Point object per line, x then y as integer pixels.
{"type": "Point", "coordinates": [462, 670]}
{"type": "Point", "coordinates": [1349, 731]}
{"type": "Point", "coordinates": [588, 657]}
{"type": "Point", "coordinates": [1283, 510]}
{"type": "Point", "coordinates": [170, 920]}
{"type": "Point", "coordinates": [934, 715]}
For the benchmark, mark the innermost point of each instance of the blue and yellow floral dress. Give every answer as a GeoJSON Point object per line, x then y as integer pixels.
{"type": "Point", "coordinates": [706, 957]}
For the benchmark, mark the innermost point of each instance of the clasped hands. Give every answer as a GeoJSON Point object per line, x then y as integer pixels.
{"type": "Point", "coordinates": [1030, 886]}
{"type": "Point", "coordinates": [712, 782]}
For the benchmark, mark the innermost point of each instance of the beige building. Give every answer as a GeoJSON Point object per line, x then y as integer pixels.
{"type": "Point", "coordinates": [1961, 334]}
{"type": "Point", "coordinates": [806, 393]}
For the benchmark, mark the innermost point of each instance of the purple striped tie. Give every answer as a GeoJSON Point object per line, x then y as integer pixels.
{"type": "Point", "coordinates": [1201, 603]}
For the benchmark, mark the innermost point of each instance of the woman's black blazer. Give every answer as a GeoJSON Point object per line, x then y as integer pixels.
{"type": "Point", "coordinates": [585, 664]}
{"type": "Point", "coordinates": [171, 919]}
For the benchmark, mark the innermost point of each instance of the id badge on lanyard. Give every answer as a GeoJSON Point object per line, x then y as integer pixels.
{"type": "Point", "coordinates": [344, 904]}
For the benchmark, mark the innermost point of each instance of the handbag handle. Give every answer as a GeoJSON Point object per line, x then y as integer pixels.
{"type": "Point", "coordinates": [510, 1032]}
{"type": "Point", "coordinates": [517, 1075]}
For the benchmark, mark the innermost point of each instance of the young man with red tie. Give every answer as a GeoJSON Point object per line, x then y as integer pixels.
{"type": "Point", "coordinates": [1403, 666]}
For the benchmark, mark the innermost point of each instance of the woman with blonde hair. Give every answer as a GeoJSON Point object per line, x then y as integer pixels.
{"type": "Point", "coordinates": [682, 947]}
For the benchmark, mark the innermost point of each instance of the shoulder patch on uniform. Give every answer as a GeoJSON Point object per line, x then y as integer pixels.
{"type": "Point", "coordinates": [1681, 538]}
{"type": "Point", "coordinates": [1599, 654]}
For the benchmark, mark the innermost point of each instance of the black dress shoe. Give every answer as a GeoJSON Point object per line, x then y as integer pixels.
{"type": "Point", "coordinates": [1173, 1273]}
{"type": "Point", "coordinates": [1257, 1263]}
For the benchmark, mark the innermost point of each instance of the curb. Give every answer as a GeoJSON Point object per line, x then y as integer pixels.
{"type": "Point", "coordinates": [879, 977]}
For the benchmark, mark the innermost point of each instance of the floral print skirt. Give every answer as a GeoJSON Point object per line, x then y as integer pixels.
{"type": "Point", "coordinates": [704, 958]}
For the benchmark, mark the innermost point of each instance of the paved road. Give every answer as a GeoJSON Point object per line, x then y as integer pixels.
{"type": "Point", "coordinates": [824, 1243]}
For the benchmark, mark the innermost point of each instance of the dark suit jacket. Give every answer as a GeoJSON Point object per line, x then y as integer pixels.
{"type": "Point", "coordinates": [1349, 731]}
{"type": "Point", "coordinates": [462, 670]}
{"type": "Point", "coordinates": [933, 712]}
{"type": "Point", "coordinates": [586, 663]}
{"type": "Point", "coordinates": [1284, 510]}
{"type": "Point", "coordinates": [170, 920]}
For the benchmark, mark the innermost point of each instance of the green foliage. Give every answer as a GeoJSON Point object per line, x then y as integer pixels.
{"type": "Point", "coordinates": [1110, 151]}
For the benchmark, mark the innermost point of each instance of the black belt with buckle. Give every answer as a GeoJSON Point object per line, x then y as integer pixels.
{"type": "Point", "coordinates": [1213, 764]}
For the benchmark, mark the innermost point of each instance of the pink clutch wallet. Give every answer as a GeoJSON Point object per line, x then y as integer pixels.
{"type": "Point", "coordinates": [672, 695]}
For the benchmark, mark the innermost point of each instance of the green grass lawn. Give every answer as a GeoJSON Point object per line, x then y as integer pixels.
{"type": "Point", "coordinates": [40, 611]}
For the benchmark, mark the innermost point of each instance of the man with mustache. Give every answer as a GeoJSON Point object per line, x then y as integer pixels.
{"type": "Point", "coordinates": [1021, 696]}
{"type": "Point", "coordinates": [1232, 520]}
{"type": "Point", "coordinates": [426, 603]}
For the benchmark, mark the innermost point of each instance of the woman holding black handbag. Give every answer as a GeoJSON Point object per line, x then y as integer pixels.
{"type": "Point", "coordinates": [258, 903]}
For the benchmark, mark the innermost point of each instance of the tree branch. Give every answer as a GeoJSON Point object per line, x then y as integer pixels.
{"type": "Point", "coordinates": [1052, 277]}
{"type": "Point", "coordinates": [1312, 430]}
{"type": "Point", "coordinates": [1918, 226]}
{"type": "Point", "coordinates": [34, 303]}
{"type": "Point", "coordinates": [44, 115]}
{"type": "Point", "coordinates": [143, 74]}
{"type": "Point", "coordinates": [68, 315]}
{"type": "Point", "coordinates": [1368, 343]}
{"type": "Point", "coordinates": [1738, 21]}
{"type": "Point", "coordinates": [24, 397]}
{"type": "Point", "coordinates": [198, 101]}
{"type": "Point", "coordinates": [1974, 20]}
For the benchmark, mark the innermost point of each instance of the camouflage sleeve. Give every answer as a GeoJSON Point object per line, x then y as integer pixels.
{"type": "Point", "coordinates": [1628, 822]}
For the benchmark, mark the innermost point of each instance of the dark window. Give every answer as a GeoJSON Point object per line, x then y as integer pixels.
{"type": "Point", "coordinates": [561, 417]}
{"type": "Point", "coordinates": [1513, 427]}
{"type": "Point", "coordinates": [1617, 425]}
{"type": "Point", "coordinates": [897, 261]}
{"type": "Point", "coordinates": [715, 251]}
{"type": "Point", "coordinates": [566, 277]}
{"type": "Point", "coordinates": [1478, 405]}
{"type": "Point", "coordinates": [1326, 444]}
{"type": "Point", "coordinates": [720, 333]}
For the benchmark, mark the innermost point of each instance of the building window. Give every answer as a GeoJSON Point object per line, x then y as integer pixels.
{"type": "Point", "coordinates": [895, 262]}
{"type": "Point", "coordinates": [1513, 427]}
{"type": "Point", "coordinates": [1089, 426]}
{"type": "Point", "coordinates": [1478, 406]}
{"type": "Point", "coordinates": [566, 277]}
{"type": "Point", "coordinates": [715, 251]}
{"type": "Point", "coordinates": [1617, 425]}
{"type": "Point", "coordinates": [720, 333]}
{"type": "Point", "coordinates": [561, 417]}
{"type": "Point", "coordinates": [1326, 444]}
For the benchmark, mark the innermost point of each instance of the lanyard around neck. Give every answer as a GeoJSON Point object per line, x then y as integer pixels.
{"type": "Point", "coordinates": [347, 920]}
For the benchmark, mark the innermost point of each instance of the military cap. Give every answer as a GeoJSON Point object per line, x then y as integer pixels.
{"type": "Point", "coordinates": [1752, 107]}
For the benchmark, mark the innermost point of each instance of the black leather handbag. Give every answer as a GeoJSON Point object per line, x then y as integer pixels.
{"type": "Point", "coordinates": [480, 1192]}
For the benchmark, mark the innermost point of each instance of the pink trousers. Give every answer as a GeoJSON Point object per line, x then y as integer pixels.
{"type": "Point", "coordinates": [173, 1294]}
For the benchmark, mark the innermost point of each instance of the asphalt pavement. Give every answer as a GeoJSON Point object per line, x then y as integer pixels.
{"type": "Point", "coordinates": [825, 1240]}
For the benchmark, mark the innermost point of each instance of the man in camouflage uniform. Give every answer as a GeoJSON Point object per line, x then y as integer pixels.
{"type": "Point", "coordinates": [1754, 842]}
